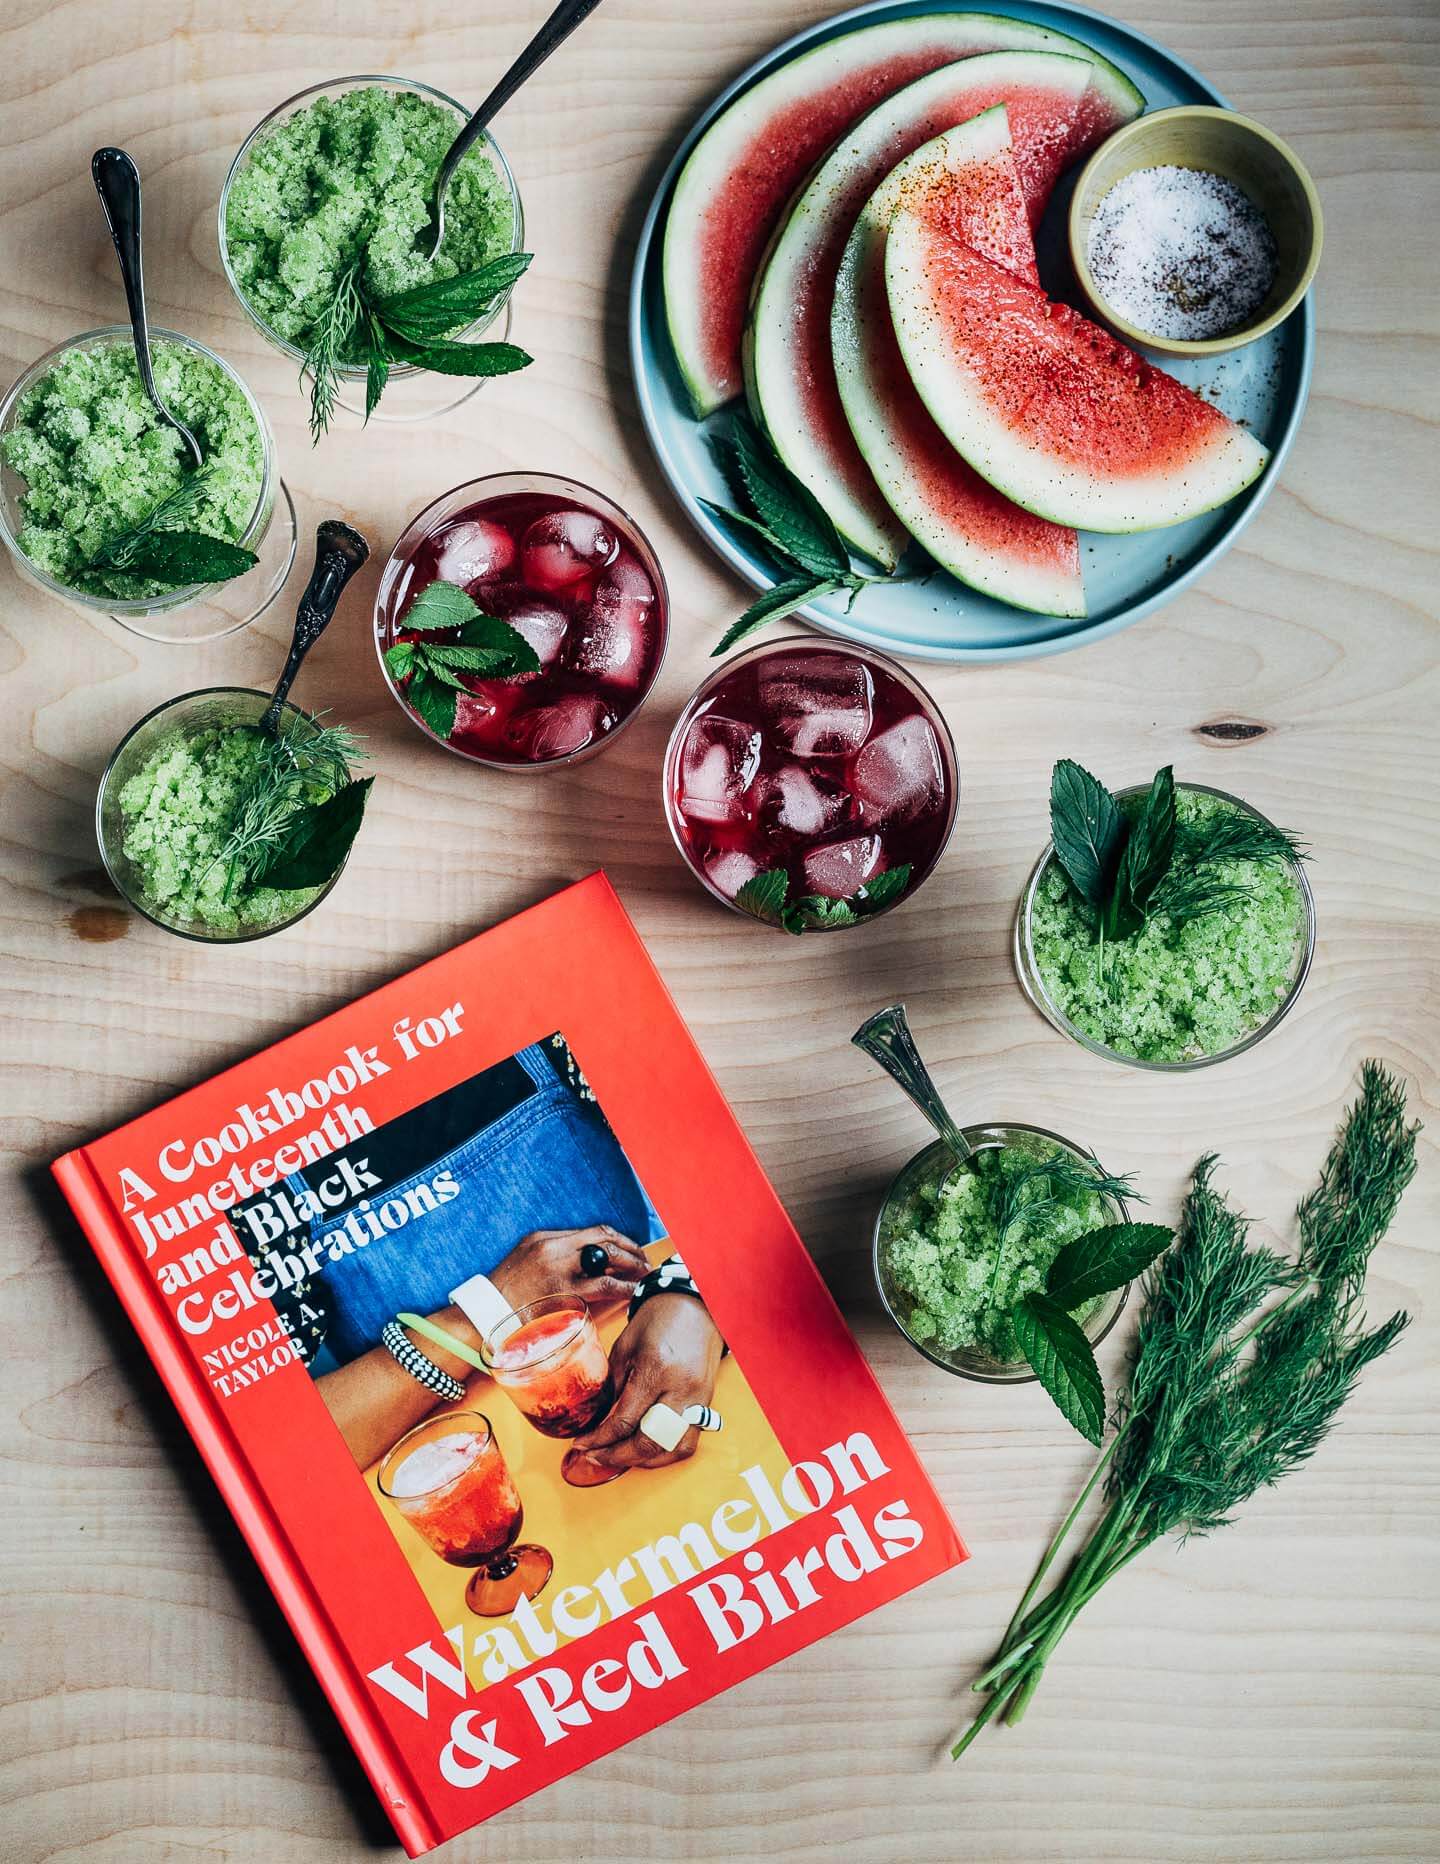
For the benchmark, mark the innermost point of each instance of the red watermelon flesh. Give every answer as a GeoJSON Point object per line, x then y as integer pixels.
{"type": "Point", "coordinates": [737, 180]}
{"type": "Point", "coordinates": [964, 185]}
{"type": "Point", "coordinates": [790, 375]}
{"type": "Point", "coordinates": [1046, 405]}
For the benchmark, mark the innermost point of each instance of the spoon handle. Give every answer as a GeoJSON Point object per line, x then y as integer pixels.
{"type": "Point", "coordinates": [339, 552]}
{"type": "Point", "coordinates": [885, 1037]}
{"type": "Point", "coordinates": [556, 30]}
{"type": "Point", "coordinates": [117, 182]}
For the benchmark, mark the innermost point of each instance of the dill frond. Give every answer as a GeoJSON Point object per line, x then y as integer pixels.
{"type": "Point", "coordinates": [329, 340]}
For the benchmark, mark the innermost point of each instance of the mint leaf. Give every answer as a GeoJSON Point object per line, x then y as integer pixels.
{"type": "Point", "coordinates": [475, 659]}
{"type": "Point", "coordinates": [317, 840]}
{"type": "Point", "coordinates": [1103, 1260]}
{"type": "Point", "coordinates": [1061, 1358]}
{"type": "Point", "coordinates": [818, 913]}
{"type": "Point", "coordinates": [400, 659]}
{"type": "Point", "coordinates": [794, 516]}
{"type": "Point", "coordinates": [434, 701]}
{"type": "Point", "coordinates": [764, 896]}
{"type": "Point", "coordinates": [434, 310]}
{"type": "Point", "coordinates": [439, 605]}
{"type": "Point", "coordinates": [1088, 831]}
{"type": "Point", "coordinates": [883, 889]}
{"type": "Point", "coordinates": [783, 599]}
{"type": "Point", "coordinates": [469, 358]}
{"type": "Point", "coordinates": [499, 637]}
{"type": "Point", "coordinates": [179, 557]}
{"type": "Point", "coordinates": [1146, 860]}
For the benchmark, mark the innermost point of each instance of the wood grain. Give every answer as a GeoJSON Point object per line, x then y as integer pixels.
{"type": "Point", "coordinates": [1272, 1695]}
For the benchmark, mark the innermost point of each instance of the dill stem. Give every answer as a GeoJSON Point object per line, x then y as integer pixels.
{"type": "Point", "coordinates": [1061, 1535]}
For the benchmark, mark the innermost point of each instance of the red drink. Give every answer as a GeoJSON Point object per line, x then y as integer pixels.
{"type": "Point", "coordinates": [548, 1358]}
{"type": "Point", "coordinates": [830, 763]}
{"type": "Point", "coordinates": [567, 569]}
{"type": "Point", "coordinates": [449, 1480]}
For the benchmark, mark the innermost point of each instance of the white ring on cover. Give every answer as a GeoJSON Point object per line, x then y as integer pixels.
{"type": "Point", "coordinates": [665, 1426]}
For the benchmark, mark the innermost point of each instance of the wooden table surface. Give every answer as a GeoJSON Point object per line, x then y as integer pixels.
{"type": "Point", "coordinates": [1272, 1694]}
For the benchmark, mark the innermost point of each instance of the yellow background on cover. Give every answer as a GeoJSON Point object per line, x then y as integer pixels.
{"type": "Point", "coordinates": [587, 1530]}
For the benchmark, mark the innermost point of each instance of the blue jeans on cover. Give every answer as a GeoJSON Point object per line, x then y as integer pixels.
{"type": "Point", "coordinates": [552, 1163]}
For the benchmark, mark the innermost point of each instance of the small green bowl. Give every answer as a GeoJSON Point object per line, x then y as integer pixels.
{"type": "Point", "coordinates": [1202, 136]}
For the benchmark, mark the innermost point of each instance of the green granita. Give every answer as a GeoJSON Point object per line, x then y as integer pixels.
{"type": "Point", "coordinates": [347, 180]}
{"type": "Point", "coordinates": [1174, 992]}
{"type": "Point", "coordinates": [96, 458]}
{"type": "Point", "coordinates": [177, 817]}
{"type": "Point", "coordinates": [952, 1254]}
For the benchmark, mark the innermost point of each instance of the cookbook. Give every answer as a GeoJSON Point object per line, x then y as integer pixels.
{"type": "Point", "coordinates": [516, 1377]}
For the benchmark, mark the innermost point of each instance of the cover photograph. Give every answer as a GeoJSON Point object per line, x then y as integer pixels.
{"type": "Point", "coordinates": [517, 1379]}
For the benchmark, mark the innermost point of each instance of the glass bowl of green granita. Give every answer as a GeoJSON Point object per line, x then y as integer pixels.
{"type": "Point", "coordinates": [1182, 992]}
{"type": "Point", "coordinates": [335, 183]}
{"type": "Point", "coordinates": [955, 1249]}
{"type": "Point", "coordinates": [190, 794]}
{"type": "Point", "coordinates": [85, 463]}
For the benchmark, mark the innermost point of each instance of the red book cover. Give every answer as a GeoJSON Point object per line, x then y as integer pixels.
{"type": "Point", "coordinates": [622, 1451]}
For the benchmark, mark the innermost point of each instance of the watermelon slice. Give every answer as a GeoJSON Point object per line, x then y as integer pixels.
{"type": "Point", "coordinates": [968, 178]}
{"type": "Point", "coordinates": [1051, 409]}
{"type": "Point", "coordinates": [734, 187]}
{"type": "Point", "coordinates": [790, 377]}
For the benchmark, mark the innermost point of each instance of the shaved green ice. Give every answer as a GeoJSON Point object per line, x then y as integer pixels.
{"type": "Point", "coordinates": [956, 1276]}
{"type": "Point", "coordinates": [96, 458]}
{"type": "Point", "coordinates": [1173, 992]}
{"type": "Point", "coordinates": [176, 815]}
{"type": "Point", "coordinates": [347, 179]}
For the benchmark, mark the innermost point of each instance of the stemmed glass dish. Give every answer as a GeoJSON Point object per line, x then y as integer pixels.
{"type": "Point", "coordinates": [170, 727]}
{"type": "Point", "coordinates": [449, 1480]}
{"type": "Point", "coordinates": [931, 1167]}
{"type": "Point", "coordinates": [411, 393]}
{"type": "Point", "coordinates": [196, 612]}
{"type": "Point", "coordinates": [1032, 980]}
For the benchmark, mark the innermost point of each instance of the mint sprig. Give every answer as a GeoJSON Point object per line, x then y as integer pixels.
{"type": "Point", "coordinates": [767, 897]}
{"type": "Point", "coordinates": [160, 549]}
{"type": "Point", "coordinates": [410, 328]}
{"type": "Point", "coordinates": [1129, 867]}
{"type": "Point", "coordinates": [466, 641]}
{"type": "Point", "coordinates": [795, 527]}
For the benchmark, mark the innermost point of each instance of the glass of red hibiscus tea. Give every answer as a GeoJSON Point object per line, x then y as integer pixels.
{"type": "Point", "coordinates": [811, 784]}
{"type": "Point", "coordinates": [566, 568]}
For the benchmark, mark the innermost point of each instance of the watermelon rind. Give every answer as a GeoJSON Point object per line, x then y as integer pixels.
{"type": "Point", "coordinates": [928, 486]}
{"type": "Point", "coordinates": [850, 65]}
{"type": "Point", "coordinates": [1026, 466]}
{"type": "Point", "coordinates": [796, 409]}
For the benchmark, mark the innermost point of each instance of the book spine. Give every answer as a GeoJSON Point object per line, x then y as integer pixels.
{"type": "Point", "coordinates": [201, 1413]}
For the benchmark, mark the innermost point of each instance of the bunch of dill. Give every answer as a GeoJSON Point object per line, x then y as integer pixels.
{"type": "Point", "coordinates": [1243, 1359]}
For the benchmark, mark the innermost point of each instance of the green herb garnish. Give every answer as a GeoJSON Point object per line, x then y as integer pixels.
{"type": "Point", "coordinates": [409, 327]}
{"type": "Point", "coordinates": [159, 549]}
{"type": "Point", "coordinates": [1097, 1263]}
{"type": "Point", "coordinates": [1243, 1359]}
{"type": "Point", "coordinates": [766, 897]}
{"type": "Point", "coordinates": [293, 804]}
{"type": "Point", "coordinates": [1130, 867]}
{"type": "Point", "coordinates": [429, 670]}
{"type": "Point", "coordinates": [795, 527]}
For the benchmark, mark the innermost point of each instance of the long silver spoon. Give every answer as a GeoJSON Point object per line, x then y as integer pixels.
{"type": "Point", "coordinates": [117, 182]}
{"type": "Point", "coordinates": [339, 552]}
{"type": "Point", "coordinates": [886, 1038]}
{"type": "Point", "coordinates": [561, 23]}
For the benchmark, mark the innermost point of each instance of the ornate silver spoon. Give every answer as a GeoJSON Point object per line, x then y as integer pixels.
{"type": "Point", "coordinates": [117, 182]}
{"type": "Point", "coordinates": [561, 23]}
{"type": "Point", "coordinates": [339, 552]}
{"type": "Point", "coordinates": [886, 1038]}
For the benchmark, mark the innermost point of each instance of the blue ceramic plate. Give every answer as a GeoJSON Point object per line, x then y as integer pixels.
{"type": "Point", "coordinates": [1126, 577]}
